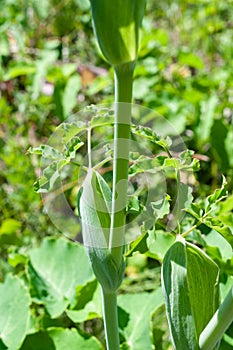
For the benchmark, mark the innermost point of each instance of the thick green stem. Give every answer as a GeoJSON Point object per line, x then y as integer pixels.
{"type": "Point", "coordinates": [218, 324]}
{"type": "Point", "coordinates": [123, 97]}
{"type": "Point", "coordinates": [109, 301]}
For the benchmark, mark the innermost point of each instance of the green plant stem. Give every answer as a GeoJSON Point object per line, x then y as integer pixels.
{"type": "Point", "coordinates": [218, 324]}
{"type": "Point", "coordinates": [109, 301]}
{"type": "Point", "coordinates": [123, 96]}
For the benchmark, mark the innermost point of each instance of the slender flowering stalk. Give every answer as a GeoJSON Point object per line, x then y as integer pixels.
{"type": "Point", "coordinates": [116, 25]}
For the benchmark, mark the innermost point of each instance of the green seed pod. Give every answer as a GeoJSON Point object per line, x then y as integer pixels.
{"type": "Point", "coordinates": [116, 24]}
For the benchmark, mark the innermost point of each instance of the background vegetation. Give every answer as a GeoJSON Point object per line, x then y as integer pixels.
{"type": "Point", "coordinates": [49, 68]}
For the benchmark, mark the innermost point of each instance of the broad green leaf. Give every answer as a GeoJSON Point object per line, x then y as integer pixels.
{"type": "Point", "coordinates": [72, 340]}
{"type": "Point", "coordinates": [56, 269]}
{"type": "Point", "coordinates": [86, 311]}
{"type": "Point", "coordinates": [14, 312]}
{"type": "Point", "coordinates": [158, 243]}
{"type": "Point", "coordinates": [190, 288]}
{"type": "Point", "coordinates": [136, 328]}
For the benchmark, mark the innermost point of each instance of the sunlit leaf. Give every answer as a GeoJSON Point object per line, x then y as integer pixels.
{"type": "Point", "coordinates": [15, 311]}
{"type": "Point", "coordinates": [56, 269]}
{"type": "Point", "coordinates": [71, 339]}
{"type": "Point", "coordinates": [190, 288]}
{"type": "Point", "coordinates": [158, 243]}
{"type": "Point", "coordinates": [136, 328]}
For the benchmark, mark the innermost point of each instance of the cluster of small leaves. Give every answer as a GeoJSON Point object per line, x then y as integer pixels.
{"type": "Point", "coordinates": [207, 213]}
{"type": "Point", "coordinates": [211, 215]}
{"type": "Point", "coordinates": [64, 146]}
{"type": "Point", "coordinates": [59, 160]}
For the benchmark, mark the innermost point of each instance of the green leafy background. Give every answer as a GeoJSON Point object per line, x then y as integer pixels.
{"type": "Point", "coordinates": [50, 68]}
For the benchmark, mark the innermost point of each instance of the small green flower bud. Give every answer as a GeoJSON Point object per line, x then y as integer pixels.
{"type": "Point", "coordinates": [116, 25]}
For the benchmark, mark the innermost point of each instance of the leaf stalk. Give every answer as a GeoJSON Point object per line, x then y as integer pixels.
{"type": "Point", "coordinates": [218, 324]}
{"type": "Point", "coordinates": [123, 96]}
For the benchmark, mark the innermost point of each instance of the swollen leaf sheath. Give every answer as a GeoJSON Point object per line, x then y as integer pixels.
{"type": "Point", "coordinates": [94, 202]}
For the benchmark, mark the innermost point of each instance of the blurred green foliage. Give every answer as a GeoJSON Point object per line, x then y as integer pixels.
{"type": "Point", "coordinates": [50, 68]}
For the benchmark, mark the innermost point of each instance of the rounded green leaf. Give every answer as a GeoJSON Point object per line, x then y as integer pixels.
{"type": "Point", "coordinates": [56, 269]}
{"type": "Point", "coordinates": [72, 340]}
{"type": "Point", "coordinates": [14, 312]}
{"type": "Point", "coordinates": [135, 318]}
